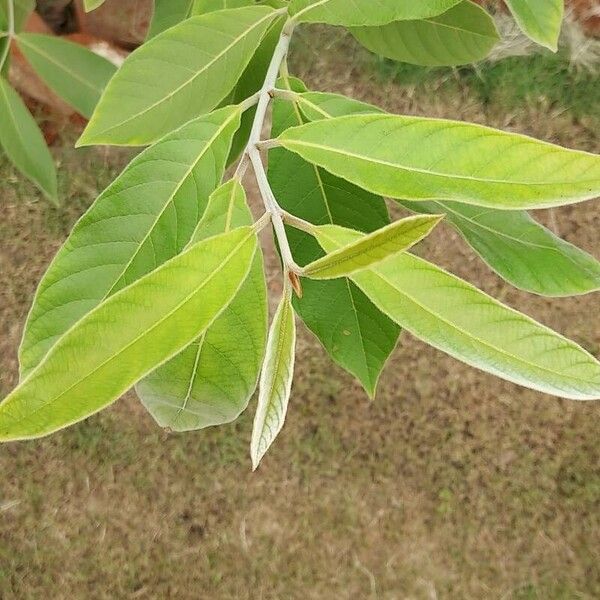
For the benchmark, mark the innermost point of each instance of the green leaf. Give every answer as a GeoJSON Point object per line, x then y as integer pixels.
{"type": "Point", "coordinates": [127, 336]}
{"type": "Point", "coordinates": [464, 34]}
{"type": "Point", "coordinates": [322, 105]}
{"type": "Point", "coordinates": [75, 73]}
{"type": "Point", "coordinates": [201, 7]}
{"type": "Point", "coordinates": [90, 5]}
{"type": "Point", "coordinates": [182, 72]}
{"type": "Point", "coordinates": [212, 381]}
{"type": "Point", "coordinates": [168, 13]}
{"type": "Point", "coordinates": [417, 158]}
{"type": "Point", "coordinates": [520, 250]}
{"type": "Point", "coordinates": [275, 381]}
{"type": "Point", "coordinates": [353, 331]}
{"type": "Point", "coordinates": [366, 12]}
{"type": "Point", "coordinates": [147, 216]}
{"type": "Point", "coordinates": [372, 248]}
{"type": "Point", "coordinates": [23, 8]}
{"type": "Point", "coordinates": [457, 318]}
{"type": "Point", "coordinates": [541, 20]}
{"type": "Point", "coordinates": [23, 142]}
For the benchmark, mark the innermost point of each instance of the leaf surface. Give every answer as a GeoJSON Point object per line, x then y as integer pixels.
{"type": "Point", "coordinates": [75, 73]}
{"type": "Point", "coordinates": [457, 318]}
{"type": "Point", "coordinates": [181, 73]}
{"type": "Point", "coordinates": [366, 12]}
{"type": "Point", "coordinates": [541, 20]}
{"type": "Point", "coordinates": [520, 250]}
{"type": "Point", "coordinates": [23, 142]}
{"type": "Point", "coordinates": [417, 158]}
{"type": "Point", "coordinates": [144, 218]}
{"type": "Point", "coordinates": [353, 331]}
{"type": "Point", "coordinates": [212, 380]}
{"type": "Point", "coordinates": [90, 5]}
{"type": "Point", "coordinates": [464, 34]}
{"type": "Point", "coordinates": [275, 381]}
{"type": "Point", "coordinates": [124, 338]}
{"type": "Point", "coordinates": [372, 248]}
{"type": "Point", "coordinates": [168, 13]}
{"type": "Point", "coordinates": [23, 8]}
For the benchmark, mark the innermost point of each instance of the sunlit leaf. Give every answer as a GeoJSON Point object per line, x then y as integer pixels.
{"type": "Point", "coordinates": [539, 19]}
{"type": "Point", "coordinates": [275, 381]}
{"type": "Point", "coordinates": [168, 13]}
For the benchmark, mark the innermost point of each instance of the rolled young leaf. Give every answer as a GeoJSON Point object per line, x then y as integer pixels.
{"type": "Point", "coordinates": [75, 73]}
{"type": "Point", "coordinates": [275, 381]}
{"type": "Point", "coordinates": [520, 250]}
{"type": "Point", "coordinates": [127, 336]}
{"type": "Point", "coordinates": [541, 20]}
{"type": "Point", "coordinates": [144, 218]}
{"type": "Point", "coordinates": [464, 34]}
{"type": "Point", "coordinates": [181, 73]}
{"type": "Point", "coordinates": [352, 330]}
{"type": "Point", "coordinates": [372, 248]}
{"type": "Point", "coordinates": [366, 12]}
{"type": "Point", "coordinates": [457, 318]}
{"type": "Point", "coordinates": [23, 142]}
{"type": "Point", "coordinates": [417, 158]}
{"type": "Point", "coordinates": [212, 380]}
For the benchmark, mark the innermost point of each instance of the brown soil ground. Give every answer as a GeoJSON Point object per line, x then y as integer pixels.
{"type": "Point", "coordinates": [452, 484]}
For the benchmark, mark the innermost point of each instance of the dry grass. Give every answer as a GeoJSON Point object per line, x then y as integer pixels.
{"type": "Point", "coordinates": [451, 485]}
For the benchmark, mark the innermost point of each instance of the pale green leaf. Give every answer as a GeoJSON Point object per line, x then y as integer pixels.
{"type": "Point", "coordinates": [90, 5]}
{"type": "Point", "coordinates": [127, 336]}
{"type": "Point", "coordinates": [464, 34]}
{"type": "Point", "coordinates": [23, 8]}
{"type": "Point", "coordinates": [182, 72]}
{"type": "Point", "coordinates": [541, 20]}
{"type": "Point", "coordinates": [372, 248]}
{"type": "Point", "coordinates": [23, 142]}
{"type": "Point", "coordinates": [200, 7]}
{"type": "Point", "coordinates": [168, 13]}
{"type": "Point", "coordinates": [275, 381]}
{"type": "Point", "coordinates": [457, 318]}
{"type": "Point", "coordinates": [322, 105]}
{"type": "Point", "coordinates": [520, 250]}
{"type": "Point", "coordinates": [417, 158]}
{"type": "Point", "coordinates": [143, 219]}
{"type": "Point", "coordinates": [211, 381]}
{"type": "Point", "coordinates": [353, 331]}
{"type": "Point", "coordinates": [75, 73]}
{"type": "Point", "coordinates": [352, 13]}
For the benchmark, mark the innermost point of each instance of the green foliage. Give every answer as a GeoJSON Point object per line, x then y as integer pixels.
{"type": "Point", "coordinates": [160, 285]}
{"type": "Point", "coordinates": [539, 19]}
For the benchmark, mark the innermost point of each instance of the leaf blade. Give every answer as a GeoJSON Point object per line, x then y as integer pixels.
{"type": "Point", "coordinates": [540, 20]}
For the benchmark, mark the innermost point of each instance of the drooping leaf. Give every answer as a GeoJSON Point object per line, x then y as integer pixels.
{"type": "Point", "coordinates": [541, 20]}
{"type": "Point", "coordinates": [212, 380]}
{"type": "Point", "coordinates": [182, 72]}
{"type": "Point", "coordinates": [372, 248]}
{"type": "Point", "coordinates": [23, 8]}
{"type": "Point", "coordinates": [457, 318]}
{"type": "Point", "coordinates": [23, 142]}
{"type": "Point", "coordinates": [168, 13]}
{"type": "Point", "coordinates": [143, 219]}
{"type": "Point", "coordinates": [417, 158]}
{"type": "Point", "coordinates": [352, 330]}
{"type": "Point", "coordinates": [464, 34]}
{"type": "Point", "coordinates": [90, 5]}
{"type": "Point", "coordinates": [75, 73]}
{"type": "Point", "coordinates": [275, 381]}
{"type": "Point", "coordinates": [127, 336]}
{"type": "Point", "coordinates": [521, 250]}
{"type": "Point", "coordinates": [357, 13]}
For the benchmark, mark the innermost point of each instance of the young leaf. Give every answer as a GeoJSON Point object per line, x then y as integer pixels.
{"type": "Point", "coordinates": [464, 34]}
{"type": "Point", "coordinates": [366, 12]}
{"type": "Point", "coordinates": [168, 13]}
{"type": "Point", "coordinates": [182, 72]}
{"type": "Point", "coordinates": [353, 331]}
{"type": "Point", "coordinates": [211, 381]}
{"type": "Point", "coordinates": [90, 5]}
{"type": "Point", "coordinates": [75, 73]}
{"type": "Point", "coordinates": [23, 142]}
{"type": "Point", "coordinates": [372, 248]}
{"type": "Point", "coordinates": [520, 250]}
{"type": "Point", "coordinates": [417, 158]}
{"type": "Point", "coordinates": [275, 381]}
{"type": "Point", "coordinates": [127, 336]}
{"type": "Point", "coordinates": [143, 219]}
{"type": "Point", "coordinates": [457, 318]}
{"type": "Point", "coordinates": [539, 19]}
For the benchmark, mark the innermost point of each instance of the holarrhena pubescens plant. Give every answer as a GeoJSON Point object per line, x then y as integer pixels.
{"type": "Point", "coordinates": [160, 284]}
